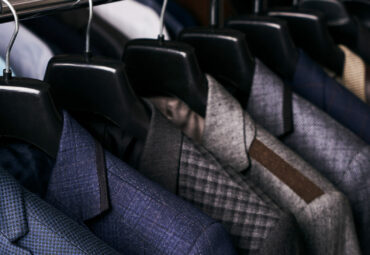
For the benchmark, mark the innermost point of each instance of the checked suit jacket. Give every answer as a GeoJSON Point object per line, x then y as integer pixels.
{"type": "Point", "coordinates": [255, 223]}
{"type": "Point", "coordinates": [29, 225]}
{"type": "Point", "coordinates": [120, 206]}
{"type": "Point", "coordinates": [323, 213]}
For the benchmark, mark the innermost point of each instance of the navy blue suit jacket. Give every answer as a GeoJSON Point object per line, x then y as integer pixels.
{"type": "Point", "coordinates": [312, 83]}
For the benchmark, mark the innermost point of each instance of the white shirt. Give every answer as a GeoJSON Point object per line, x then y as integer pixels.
{"type": "Point", "coordinates": [133, 19]}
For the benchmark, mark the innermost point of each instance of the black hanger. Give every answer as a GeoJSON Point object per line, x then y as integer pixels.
{"type": "Point", "coordinates": [269, 39]}
{"type": "Point", "coordinates": [158, 67]}
{"type": "Point", "coordinates": [359, 9]}
{"type": "Point", "coordinates": [27, 111]}
{"type": "Point", "coordinates": [343, 27]}
{"type": "Point", "coordinates": [224, 54]}
{"type": "Point", "coordinates": [96, 85]}
{"type": "Point", "coordinates": [310, 33]}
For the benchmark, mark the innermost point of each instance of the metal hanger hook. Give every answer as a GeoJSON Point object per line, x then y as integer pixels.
{"type": "Point", "coordinates": [161, 20]}
{"type": "Point", "coordinates": [87, 50]}
{"type": "Point", "coordinates": [14, 36]}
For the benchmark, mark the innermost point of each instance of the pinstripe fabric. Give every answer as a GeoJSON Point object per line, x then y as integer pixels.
{"type": "Point", "coordinates": [336, 152]}
{"type": "Point", "coordinates": [141, 217]}
{"type": "Point", "coordinates": [31, 226]}
{"type": "Point", "coordinates": [256, 224]}
{"type": "Point", "coordinates": [313, 84]}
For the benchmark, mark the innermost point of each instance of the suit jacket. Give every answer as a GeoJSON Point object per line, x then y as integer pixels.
{"type": "Point", "coordinates": [28, 225]}
{"type": "Point", "coordinates": [321, 211]}
{"type": "Point", "coordinates": [355, 76]}
{"type": "Point", "coordinates": [312, 83]}
{"type": "Point", "coordinates": [337, 153]}
{"type": "Point", "coordinates": [129, 212]}
{"type": "Point", "coordinates": [256, 224]}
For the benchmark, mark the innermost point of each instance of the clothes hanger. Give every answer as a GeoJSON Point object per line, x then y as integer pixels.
{"type": "Point", "coordinates": [27, 111]}
{"type": "Point", "coordinates": [310, 33]}
{"type": "Point", "coordinates": [344, 28]}
{"type": "Point", "coordinates": [359, 9]}
{"type": "Point", "coordinates": [269, 39]}
{"type": "Point", "coordinates": [223, 53]}
{"type": "Point", "coordinates": [159, 67]}
{"type": "Point", "coordinates": [96, 85]}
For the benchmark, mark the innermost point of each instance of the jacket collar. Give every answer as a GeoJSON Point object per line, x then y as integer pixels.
{"type": "Point", "coordinates": [13, 219]}
{"type": "Point", "coordinates": [78, 181]}
{"type": "Point", "coordinates": [270, 101]}
{"type": "Point", "coordinates": [229, 131]}
{"type": "Point", "coordinates": [161, 155]}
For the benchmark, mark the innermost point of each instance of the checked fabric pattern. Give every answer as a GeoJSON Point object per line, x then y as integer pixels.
{"type": "Point", "coordinates": [227, 197]}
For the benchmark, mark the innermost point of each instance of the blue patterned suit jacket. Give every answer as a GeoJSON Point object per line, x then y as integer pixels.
{"type": "Point", "coordinates": [119, 205]}
{"type": "Point", "coordinates": [28, 225]}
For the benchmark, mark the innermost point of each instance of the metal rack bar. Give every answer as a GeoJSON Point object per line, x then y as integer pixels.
{"type": "Point", "coordinates": [28, 9]}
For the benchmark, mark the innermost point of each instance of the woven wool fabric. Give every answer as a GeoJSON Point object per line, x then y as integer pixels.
{"type": "Point", "coordinates": [256, 224]}
{"type": "Point", "coordinates": [354, 73]}
{"type": "Point", "coordinates": [233, 138]}
{"type": "Point", "coordinates": [29, 225]}
{"type": "Point", "coordinates": [119, 205]}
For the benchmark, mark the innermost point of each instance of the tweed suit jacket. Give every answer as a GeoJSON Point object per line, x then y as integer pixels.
{"type": "Point", "coordinates": [120, 206]}
{"type": "Point", "coordinates": [337, 153]}
{"type": "Point", "coordinates": [255, 223]}
{"type": "Point", "coordinates": [312, 83]}
{"type": "Point", "coordinates": [28, 225]}
{"type": "Point", "coordinates": [321, 211]}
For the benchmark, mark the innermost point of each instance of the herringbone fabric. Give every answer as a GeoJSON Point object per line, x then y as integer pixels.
{"type": "Point", "coordinates": [31, 226]}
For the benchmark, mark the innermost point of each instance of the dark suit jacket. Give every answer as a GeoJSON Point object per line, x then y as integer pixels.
{"type": "Point", "coordinates": [29, 225]}
{"type": "Point", "coordinates": [120, 206]}
{"type": "Point", "coordinates": [312, 83]}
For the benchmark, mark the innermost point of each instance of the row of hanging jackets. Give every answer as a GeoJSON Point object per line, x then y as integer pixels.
{"type": "Point", "coordinates": [252, 138]}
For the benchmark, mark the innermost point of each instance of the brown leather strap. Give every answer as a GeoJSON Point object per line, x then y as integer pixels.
{"type": "Point", "coordinates": [300, 184]}
{"type": "Point", "coordinates": [367, 84]}
{"type": "Point", "coordinates": [102, 176]}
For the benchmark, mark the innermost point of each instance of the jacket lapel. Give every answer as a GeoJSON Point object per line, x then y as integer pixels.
{"type": "Point", "coordinates": [78, 181]}
{"type": "Point", "coordinates": [13, 217]}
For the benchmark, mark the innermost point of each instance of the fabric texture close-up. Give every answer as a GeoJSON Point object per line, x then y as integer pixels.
{"type": "Point", "coordinates": [255, 223]}
{"type": "Point", "coordinates": [312, 83]}
{"type": "Point", "coordinates": [240, 144]}
{"type": "Point", "coordinates": [115, 202]}
{"type": "Point", "coordinates": [336, 152]}
{"type": "Point", "coordinates": [31, 226]}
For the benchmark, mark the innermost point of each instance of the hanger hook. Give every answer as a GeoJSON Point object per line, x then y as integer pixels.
{"type": "Point", "coordinates": [87, 50]}
{"type": "Point", "coordinates": [7, 70]}
{"type": "Point", "coordinates": [161, 20]}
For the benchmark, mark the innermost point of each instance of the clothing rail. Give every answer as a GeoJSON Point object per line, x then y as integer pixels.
{"type": "Point", "coordinates": [27, 9]}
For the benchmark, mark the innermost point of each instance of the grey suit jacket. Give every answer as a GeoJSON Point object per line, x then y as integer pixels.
{"type": "Point", "coordinates": [322, 212]}
{"type": "Point", "coordinates": [337, 153]}
{"type": "Point", "coordinates": [256, 224]}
